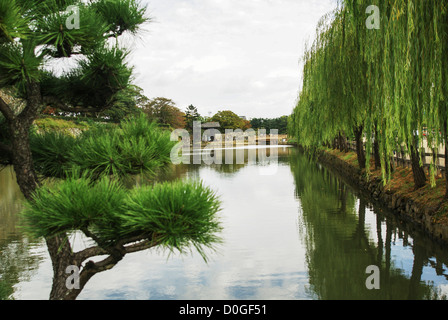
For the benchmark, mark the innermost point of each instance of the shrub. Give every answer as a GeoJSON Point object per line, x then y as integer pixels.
{"type": "Point", "coordinates": [135, 146]}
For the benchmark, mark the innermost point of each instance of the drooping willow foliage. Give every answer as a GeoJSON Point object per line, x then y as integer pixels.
{"type": "Point", "coordinates": [388, 84]}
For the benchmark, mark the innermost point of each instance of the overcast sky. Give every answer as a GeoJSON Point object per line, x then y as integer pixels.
{"type": "Point", "coordinates": [239, 55]}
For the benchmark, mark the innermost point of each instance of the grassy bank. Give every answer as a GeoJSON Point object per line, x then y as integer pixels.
{"type": "Point", "coordinates": [53, 123]}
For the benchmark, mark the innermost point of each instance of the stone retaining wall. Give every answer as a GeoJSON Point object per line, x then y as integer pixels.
{"type": "Point", "coordinates": [404, 207]}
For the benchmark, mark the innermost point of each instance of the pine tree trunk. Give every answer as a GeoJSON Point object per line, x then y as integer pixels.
{"type": "Point", "coordinates": [61, 257]}
{"type": "Point", "coordinates": [22, 159]}
{"type": "Point", "coordinates": [19, 129]}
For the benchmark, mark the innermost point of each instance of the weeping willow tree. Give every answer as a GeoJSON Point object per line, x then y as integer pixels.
{"type": "Point", "coordinates": [406, 57]}
{"type": "Point", "coordinates": [332, 103]}
{"type": "Point", "coordinates": [394, 80]}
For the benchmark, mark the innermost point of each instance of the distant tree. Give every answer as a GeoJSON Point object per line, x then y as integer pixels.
{"type": "Point", "coordinates": [229, 120]}
{"type": "Point", "coordinates": [257, 123]}
{"type": "Point", "coordinates": [128, 103]}
{"type": "Point", "coordinates": [280, 124]}
{"type": "Point", "coordinates": [247, 125]}
{"type": "Point", "coordinates": [191, 115]}
{"type": "Point", "coordinates": [165, 112]}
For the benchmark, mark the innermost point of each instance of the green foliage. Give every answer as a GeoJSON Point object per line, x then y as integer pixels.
{"type": "Point", "coordinates": [59, 124]}
{"type": "Point", "coordinates": [391, 81]}
{"type": "Point", "coordinates": [12, 22]}
{"type": "Point", "coordinates": [165, 112]}
{"type": "Point", "coordinates": [144, 145]}
{"type": "Point", "coordinates": [98, 79]}
{"type": "Point", "coordinates": [74, 203]}
{"type": "Point", "coordinates": [92, 199]}
{"type": "Point", "coordinates": [121, 15]}
{"type": "Point", "coordinates": [60, 41]}
{"type": "Point", "coordinates": [35, 34]}
{"type": "Point", "coordinates": [280, 124]}
{"type": "Point", "coordinates": [173, 215]}
{"type": "Point", "coordinates": [18, 65]}
{"type": "Point", "coordinates": [191, 115]}
{"type": "Point", "coordinates": [97, 151]}
{"type": "Point", "coordinates": [177, 214]}
{"type": "Point", "coordinates": [228, 120]}
{"type": "Point", "coordinates": [52, 152]}
{"type": "Point", "coordinates": [135, 146]}
{"type": "Point", "coordinates": [128, 103]}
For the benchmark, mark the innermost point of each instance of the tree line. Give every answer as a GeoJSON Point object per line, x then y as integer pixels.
{"type": "Point", "coordinates": [383, 87]}
{"type": "Point", "coordinates": [166, 112]}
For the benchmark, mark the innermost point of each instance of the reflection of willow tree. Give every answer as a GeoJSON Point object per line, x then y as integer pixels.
{"type": "Point", "coordinates": [16, 264]}
{"type": "Point", "coordinates": [338, 245]}
{"type": "Point", "coordinates": [15, 258]}
{"type": "Point", "coordinates": [10, 202]}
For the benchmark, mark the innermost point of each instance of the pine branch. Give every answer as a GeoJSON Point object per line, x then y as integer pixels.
{"type": "Point", "coordinates": [92, 268]}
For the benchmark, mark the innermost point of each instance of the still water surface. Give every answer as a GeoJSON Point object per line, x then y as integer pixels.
{"type": "Point", "coordinates": [300, 233]}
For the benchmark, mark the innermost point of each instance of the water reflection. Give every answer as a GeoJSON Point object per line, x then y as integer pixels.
{"type": "Point", "coordinates": [343, 236]}
{"type": "Point", "coordinates": [17, 259]}
{"type": "Point", "coordinates": [301, 233]}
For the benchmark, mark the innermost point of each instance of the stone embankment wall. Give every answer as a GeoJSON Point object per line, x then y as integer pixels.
{"type": "Point", "coordinates": [405, 207]}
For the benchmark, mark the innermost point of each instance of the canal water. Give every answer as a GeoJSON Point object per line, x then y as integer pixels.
{"type": "Point", "coordinates": [292, 230]}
